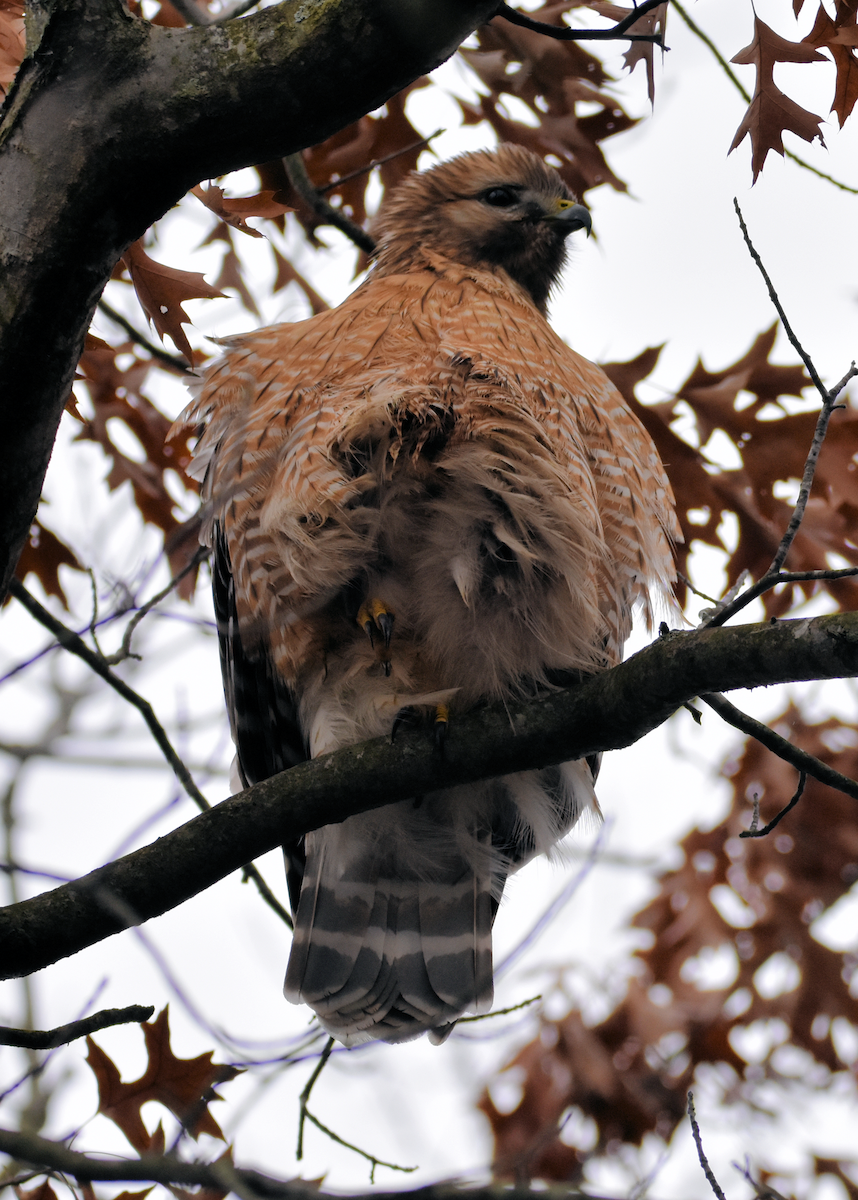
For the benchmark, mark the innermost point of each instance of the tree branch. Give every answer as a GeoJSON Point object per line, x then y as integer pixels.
{"type": "Point", "coordinates": [99, 664]}
{"type": "Point", "coordinates": [565, 33]}
{"type": "Point", "coordinates": [316, 202]}
{"type": "Point", "coordinates": [606, 712]}
{"type": "Point", "coordinates": [40, 1039]}
{"type": "Point", "coordinates": [167, 1169]}
{"type": "Point", "coordinates": [156, 111]}
{"type": "Point", "coordinates": [170, 362]}
{"type": "Point", "coordinates": [767, 737]}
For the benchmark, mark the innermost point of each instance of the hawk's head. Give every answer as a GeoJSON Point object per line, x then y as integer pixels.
{"type": "Point", "coordinates": [502, 208]}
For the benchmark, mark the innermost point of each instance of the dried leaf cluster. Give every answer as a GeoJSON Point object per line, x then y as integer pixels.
{"type": "Point", "coordinates": [734, 980]}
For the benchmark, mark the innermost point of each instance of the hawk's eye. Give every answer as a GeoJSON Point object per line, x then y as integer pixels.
{"type": "Point", "coordinates": [500, 197]}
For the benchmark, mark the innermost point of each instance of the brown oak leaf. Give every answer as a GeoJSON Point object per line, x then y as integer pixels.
{"type": "Point", "coordinates": [839, 36]}
{"type": "Point", "coordinates": [182, 1085]}
{"type": "Point", "coordinates": [162, 290]}
{"type": "Point", "coordinates": [236, 211]}
{"type": "Point", "coordinates": [43, 555]}
{"type": "Point", "coordinates": [770, 111]}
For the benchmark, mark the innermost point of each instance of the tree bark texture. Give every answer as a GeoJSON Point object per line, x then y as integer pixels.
{"type": "Point", "coordinates": [606, 712]}
{"type": "Point", "coordinates": [108, 124]}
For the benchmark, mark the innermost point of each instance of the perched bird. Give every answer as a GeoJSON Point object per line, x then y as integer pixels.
{"type": "Point", "coordinates": [417, 501]}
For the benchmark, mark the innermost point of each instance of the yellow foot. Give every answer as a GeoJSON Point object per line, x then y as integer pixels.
{"type": "Point", "coordinates": [374, 616]}
{"type": "Point", "coordinates": [442, 716]}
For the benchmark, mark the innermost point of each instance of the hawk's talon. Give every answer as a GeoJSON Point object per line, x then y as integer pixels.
{"type": "Point", "coordinates": [407, 716]}
{"type": "Point", "coordinates": [442, 716]}
{"type": "Point", "coordinates": [374, 615]}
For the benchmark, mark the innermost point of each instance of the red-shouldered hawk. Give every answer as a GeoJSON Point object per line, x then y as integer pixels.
{"type": "Point", "coordinates": [417, 501]}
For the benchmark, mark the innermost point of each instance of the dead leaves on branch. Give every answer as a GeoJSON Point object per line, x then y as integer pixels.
{"type": "Point", "coordinates": [747, 906]}
{"type": "Point", "coordinates": [235, 212]}
{"type": "Point", "coordinates": [561, 83]}
{"type": "Point", "coordinates": [184, 1086]}
{"type": "Point", "coordinates": [162, 291]}
{"type": "Point", "coordinates": [771, 113]}
{"type": "Point", "coordinates": [116, 396]}
{"type": "Point", "coordinates": [744, 403]}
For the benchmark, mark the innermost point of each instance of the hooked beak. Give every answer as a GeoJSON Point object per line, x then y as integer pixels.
{"type": "Point", "coordinates": [570, 216]}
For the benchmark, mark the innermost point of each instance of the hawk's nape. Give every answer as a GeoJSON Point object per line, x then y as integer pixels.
{"type": "Point", "coordinates": [420, 500]}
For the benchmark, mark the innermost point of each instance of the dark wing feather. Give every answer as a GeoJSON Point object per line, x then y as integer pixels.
{"type": "Point", "coordinates": [263, 711]}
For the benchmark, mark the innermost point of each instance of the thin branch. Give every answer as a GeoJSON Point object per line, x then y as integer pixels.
{"type": "Point", "coordinates": [166, 359]}
{"type": "Point", "coordinates": [773, 575]}
{"type": "Point", "coordinates": [376, 1162]}
{"type": "Point", "coordinates": [124, 650]}
{"type": "Point", "coordinates": [70, 641]}
{"type": "Point", "coordinates": [39, 1039]}
{"type": "Point", "coordinates": [773, 296]}
{"type": "Point", "coordinates": [730, 607]}
{"type": "Point", "coordinates": [754, 832]}
{"type": "Point", "coordinates": [305, 1095]}
{"type": "Point", "coordinates": [306, 1115]}
{"type": "Point", "coordinates": [565, 33]}
{"type": "Point", "coordinates": [746, 95]}
{"type": "Point", "coordinates": [800, 759]}
{"type": "Point", "coordinates": [698, 1142]}
{"type": "Point", "coordinates": [76, 645]}
{"type": "Point", "coordinates": [377, 162]}
{"type": "Point", "coordinates": [828, 406]}
{"type": "Point", "coordinates": [500, 1012]}
{"type": "Point", "coordinates": [327, 214]}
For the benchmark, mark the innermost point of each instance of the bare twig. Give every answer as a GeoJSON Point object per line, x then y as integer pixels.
{"type": "Point", "coordinates": [371, 1158]}
{"type": "Point", "coordinates": [39, 1039]}
{"type": "Point", "coordinates": [303, 185]}
{"type": "Point", "coordinates": [729, 607]}
{"type": "Point", "coordinates": [124, 650]}
{"type": "Point", "coordinates": [754, 832]}
{"type": "Point", "coordinates": [97, 663]}
{"type": "Point", "coordinates": [698, 1142]}
{"type": "Point", "coordinates": [797, 758]}
{"type": "Point", "coordinates": [303, 1099]}
{"type": "Point", "coordinates": [773, 576]}
{"type": "Point", "coordinates": [565, 33]}
{"type": "Point", "coordinates": [170, 361]}
{"type": "Point", "coordinates": [306, 1115]}
{"type": "Point", "coordinates": [746, 95]}
{"type": "Point", "coordinates": [773, 296]}
{"type": "Point", "coordinates": [377, 162]}
{"type": "Point", "coordinates": [76, 645]}
{"type": "Point", "coordinates": [500, 1012]}
{"type": "Point", "coordinates": [828, 407]}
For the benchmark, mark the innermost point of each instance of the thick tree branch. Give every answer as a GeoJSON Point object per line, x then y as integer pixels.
{"type": "Point", "coordinates": [155, 111]}
{"type": "Point", "coordinates": [609, 711]}
{"type": "Point", "coordinates": [29, 1148]}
